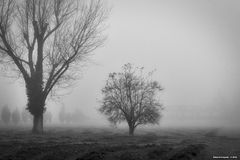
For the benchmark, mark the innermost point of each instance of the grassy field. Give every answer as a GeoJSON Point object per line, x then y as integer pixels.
{"type": "Point", "coordinates": [114, 144]}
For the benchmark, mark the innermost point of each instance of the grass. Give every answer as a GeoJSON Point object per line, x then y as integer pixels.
{"type": "Point", "coordinates": [84, 143]}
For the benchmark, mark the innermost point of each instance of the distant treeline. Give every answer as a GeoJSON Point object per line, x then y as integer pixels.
{"type": "Point", "coordinates": [70, 117]}
{"type": "Point", "coordinates": [16, 117]}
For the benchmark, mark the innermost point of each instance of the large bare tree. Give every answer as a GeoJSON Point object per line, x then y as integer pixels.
{"type": "Point", "coordinates": [131, 96]}
{"type": "Point", "coordinates": [45, 40]}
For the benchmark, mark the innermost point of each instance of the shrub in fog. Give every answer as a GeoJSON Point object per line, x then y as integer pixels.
{"type": "Point", "coordinates": [47, 117]}
{"type": "Point", "coordinates": [16, 116]}
{"type": "Point", "coordinates": [26, 116]}
{"type": "Point", "coordinates": [62, 115]}
{"type": "Point", "coordinates": [131, 96]}
{"type": "Point", "coordinates": [6, 114]}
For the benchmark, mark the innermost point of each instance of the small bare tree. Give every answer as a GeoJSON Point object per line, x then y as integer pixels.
{"type": "Point", "coordinates": [45, 41]}
{"type": "Point", "coordinates": [130, 96]}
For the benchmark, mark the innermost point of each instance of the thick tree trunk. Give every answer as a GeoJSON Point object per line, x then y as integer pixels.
{"type": "Point", "coordinates": [131, 130]}
{"type": "Point", "coordinates": [37, 124]}
{"type": "Point", "coordinates": [37, 110]}
{"type": "Point", "coordinates": [36, 104]}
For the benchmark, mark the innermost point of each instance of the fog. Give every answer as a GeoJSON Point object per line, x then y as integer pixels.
{"type": "Point", "coordinates": [194, 47]}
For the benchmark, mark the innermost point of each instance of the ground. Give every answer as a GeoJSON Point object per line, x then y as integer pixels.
{"type": "Point", "coordinates": [83, 143]}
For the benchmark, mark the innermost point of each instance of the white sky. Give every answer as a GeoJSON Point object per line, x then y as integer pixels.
{"type": "Point", "coordinates": [194, 45]}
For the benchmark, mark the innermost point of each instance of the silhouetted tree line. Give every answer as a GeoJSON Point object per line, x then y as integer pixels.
{"type": "Point", "coordinates": [15, 117]}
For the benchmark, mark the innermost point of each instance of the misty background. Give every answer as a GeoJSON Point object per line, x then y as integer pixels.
{"type": "Point", "coordinates": [194, 47]}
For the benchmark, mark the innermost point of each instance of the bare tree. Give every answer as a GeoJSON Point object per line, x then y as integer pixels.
{"type": "Point", "coordinates": [131, 96]}
{"type": "Point", "coordinates": [45, 41]}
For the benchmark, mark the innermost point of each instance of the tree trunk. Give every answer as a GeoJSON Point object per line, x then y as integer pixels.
{"type": "Point", "coordinates": [36, 104]}
{"type": "Point", "coordinates": [131, 130]}
{"type": "Point", "coordinates": [37, 124]}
